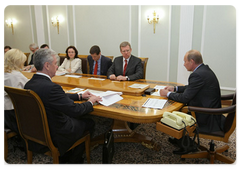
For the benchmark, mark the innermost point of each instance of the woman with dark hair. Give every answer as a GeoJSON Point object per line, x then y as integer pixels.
{"type": "Point", "coordinates": [71, 64]}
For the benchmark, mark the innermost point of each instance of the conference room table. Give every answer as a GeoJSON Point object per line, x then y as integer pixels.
{"type": "Point", "coordinates": [129, 109]}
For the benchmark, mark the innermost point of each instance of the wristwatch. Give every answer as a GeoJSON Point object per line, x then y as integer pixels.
{"type": "Point", "coordinates": [81, 97]}
{"type": "Point", "coordinates": [127, 77]}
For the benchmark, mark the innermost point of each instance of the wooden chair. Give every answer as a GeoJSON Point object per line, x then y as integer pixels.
{"type": "Point", "coordinates": [144, 64]}
{"type": "Point", "coordinates": [7, 135]}
{"type": "Point", "coordinates": [26, 62]}
{"type": "Point", "coordinates": [33, 125]}
{"type": "Point", "coordinates": [111, 57]}
{"type": "Point", "coordinates": [85, 65]}
{"type": "Point", "coordinates": [229, 127]}
{"type": "Point", "coordinates": [62, 57]}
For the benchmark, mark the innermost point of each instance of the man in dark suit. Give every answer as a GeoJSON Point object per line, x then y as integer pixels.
{"type": "Point", "coordinates": [65, 118]}
{"type": "Point", "coordinates": [127, 66]}
{"type": "Point", "coordinates": [202, 91]}
{"type": "Point", "coordinates": [98, 64]}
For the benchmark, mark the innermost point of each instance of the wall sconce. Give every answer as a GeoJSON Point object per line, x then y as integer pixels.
{"type": "Point", "coordinates": [10, 23]}
{"type": "Point", "coordinates": [154, 20]}
{"type": "Point", "coordinates": [56, 21]}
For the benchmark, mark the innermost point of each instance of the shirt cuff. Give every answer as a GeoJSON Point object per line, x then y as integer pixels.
{"type": "Point", "coordinates": [90, 102]}
{"type": "Point", "coordinates": [168, 94]}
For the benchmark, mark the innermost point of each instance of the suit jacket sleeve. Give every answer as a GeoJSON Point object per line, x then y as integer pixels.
{"type": "Point", "coordinates": [59, 101]}
{"type": "Point", "coordinates": [138, 72]}
{"type": "Point", "coordinates": [111, 70]}
{"type": "Point", "coordinates": [195, 85]}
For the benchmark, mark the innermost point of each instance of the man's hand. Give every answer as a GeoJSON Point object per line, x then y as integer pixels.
{"type": "Point", "coordinates": [87, 95]}
{"type": "Point", "coordinates": [169, 88]}
{"type": "Point", "coordinates": [119, 78]}
{"type": "Point", "coordinates": [94, 99]}
{"type": "Point", "coordinates": [163, 92]}
{"type": "Point", "coordinates": [112, 77]}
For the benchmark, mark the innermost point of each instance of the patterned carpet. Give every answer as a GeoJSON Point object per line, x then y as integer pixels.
{"type": "Point", "coordinates": [129, 153]}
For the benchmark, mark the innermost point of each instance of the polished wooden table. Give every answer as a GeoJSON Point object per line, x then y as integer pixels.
{"type": "Point", "coordinates": [129, 109]}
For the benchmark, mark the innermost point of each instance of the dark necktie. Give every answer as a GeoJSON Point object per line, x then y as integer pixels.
{"type": "Point", "coordinates": [125, 67]}
{"type": "Point", "coordinates": [95, 69]}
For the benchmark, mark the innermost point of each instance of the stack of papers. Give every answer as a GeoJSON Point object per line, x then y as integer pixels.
{"type": "Point", "coordinates": [155, 103]}
{"type": "Point", "coordinates": [139, 86]}
{"type": "Point", "coordinates": [108, 97]}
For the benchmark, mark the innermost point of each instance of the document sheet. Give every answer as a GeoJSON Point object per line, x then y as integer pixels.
{"type": "Point", "coordinates": [139, 86]}
{"type": "Point", "coordinates": [154, 103]}
{"type": "Point", "coordinates": [157, 92]}
{"type": "Point", "coordinates": [108, 97]}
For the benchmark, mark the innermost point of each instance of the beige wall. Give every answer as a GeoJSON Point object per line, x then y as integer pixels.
{"type": "Point", "coordinates": [209, 29]}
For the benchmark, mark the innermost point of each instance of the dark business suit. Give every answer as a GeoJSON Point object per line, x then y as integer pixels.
{"type": "Point", "coordinates": [134, 69]}
{"type": "Point", "coordinates": [202, 91]}
{"type": "Point", "coordinates": [31, 61]}
{"type": "Point", "coordinates": [105, 64]}
{"type": "Point", "coordinates": [64, 116]}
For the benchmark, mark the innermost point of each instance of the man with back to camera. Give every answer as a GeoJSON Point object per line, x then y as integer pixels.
{"type": "Point", "coordinates": [202, 91]}
{"type": "Point", "coordinates": [65, 118]}
{"type": "Point", "coordinates": [98, 64]}
{"type": "Point", "coordinates": [127, 66]}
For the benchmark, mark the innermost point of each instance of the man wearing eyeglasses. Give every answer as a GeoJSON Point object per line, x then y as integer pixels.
{"type": "Point", "coordinates": [125, 67]}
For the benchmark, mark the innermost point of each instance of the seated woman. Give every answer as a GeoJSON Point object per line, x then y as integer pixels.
{"type": "Point", "coordinates": [71, 64]}
{"type": "Point", "coordinates": [14, 60]}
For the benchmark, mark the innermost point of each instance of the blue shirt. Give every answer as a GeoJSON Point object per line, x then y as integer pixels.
{"type": "Point", "coordinates": [99, 66]}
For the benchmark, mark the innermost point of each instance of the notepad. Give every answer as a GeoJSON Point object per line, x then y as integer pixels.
{"type": "Point", "coordinates": [154, 103]}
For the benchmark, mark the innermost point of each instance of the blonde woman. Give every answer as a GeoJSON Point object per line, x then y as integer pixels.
{"type": "Point", "coordinates": [71, 64]}
{"type": "Point", "coordinates": [13, 62]}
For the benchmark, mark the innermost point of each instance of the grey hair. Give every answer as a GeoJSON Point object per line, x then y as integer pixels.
{"type": "Point", "coordinates": [33, 45]}
{"type": "Point", "coordinates": [42, 56]}
{"type": "Point", "coordinates": [124, 44]}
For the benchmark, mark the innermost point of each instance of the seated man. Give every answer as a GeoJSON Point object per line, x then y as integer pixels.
{"type": "Point", "coordinates": [127, 66]}
{"type": "Point", "coordinates": [98, 64]}
{"type": "Point", "coordinates": [65, 118]}
{"type": "Point", "coordinates": [202, 91]}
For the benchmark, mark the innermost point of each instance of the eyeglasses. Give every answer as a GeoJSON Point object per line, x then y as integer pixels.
{"type": "Point", "coordinates": [126, 51]}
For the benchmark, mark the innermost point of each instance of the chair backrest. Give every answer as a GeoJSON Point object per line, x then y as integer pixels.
{"type": "Point", "coordinates": [144, 64]}
{"type": "Point", "coordinates": [111, 57]}
{"type": "Point", "coordinates": [62, 57]}
{"type": "Point", "coordinates": [26, 62]}
{"type": "Point", "coordinates": [31, 116]}
{"type": "Point", "coordinates": [85, 66]}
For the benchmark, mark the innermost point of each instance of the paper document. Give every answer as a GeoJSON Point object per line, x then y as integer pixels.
{"type": "Point", "coordinates": [75, 90]}
{"type": "Point", "coordinates": [139, 86]}
{"type": "Point", "coordinates": [60, 73]}
{"type": "Point", "coordinates": [158, 88]}
{"type": "Point", "coordinates": [155, 103]}
{"type": "Point", "coordinates": [108, 97]}
{"type": "Point", "coordinates": [93, 78]}
{"type": "Point", "coordinates": [74, 76]}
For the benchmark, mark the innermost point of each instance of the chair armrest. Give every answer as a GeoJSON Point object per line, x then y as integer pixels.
{"type": "Point", "coordinates": [184, 109]}
{"type": "Point", "coordinates": [227, 97]}
{"type": "Point", "coordinates": [215, 111]}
